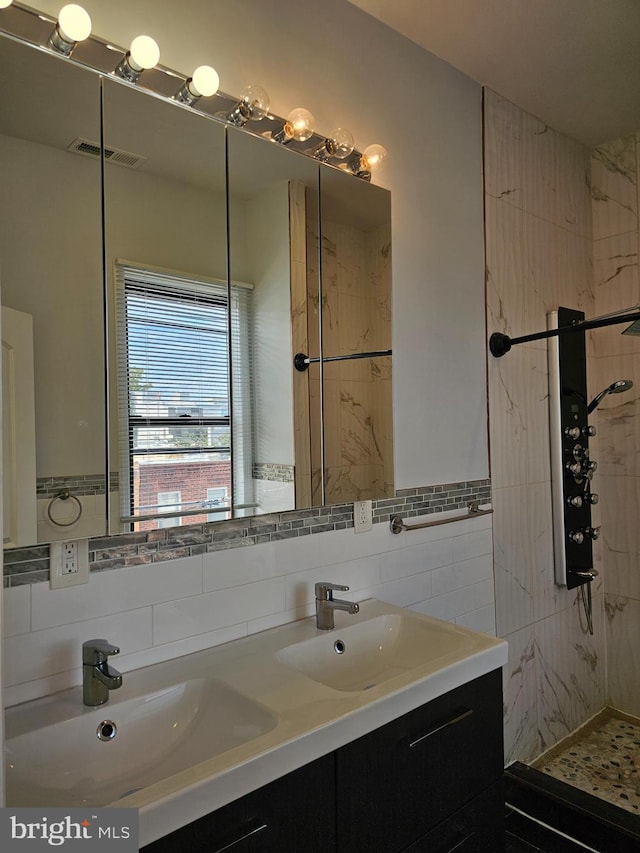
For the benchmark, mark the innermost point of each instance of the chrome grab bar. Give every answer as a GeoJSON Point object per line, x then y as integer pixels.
{"type": "Point", "coordinates": [397, 524]}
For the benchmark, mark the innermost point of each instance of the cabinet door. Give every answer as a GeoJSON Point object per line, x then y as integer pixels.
{"type": "Point", "coordinates": [478, 827]}
{"type": "Point", "coordinates": [400, 781]}
{"type": "Point", "coordinates": [291, 815]}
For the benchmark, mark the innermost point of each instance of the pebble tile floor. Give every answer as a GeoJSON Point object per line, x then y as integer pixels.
{"type": "Point", "coordinates": [603, 760]}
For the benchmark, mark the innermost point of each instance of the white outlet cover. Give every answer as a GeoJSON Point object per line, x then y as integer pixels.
{"type": "Point", "coordinates": [58, 580]}
{"type": "Point", "coordinates": [362, 516]}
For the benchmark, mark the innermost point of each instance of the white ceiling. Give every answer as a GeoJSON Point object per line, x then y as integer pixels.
{"type": "Point", "coordinates": [575, 64]}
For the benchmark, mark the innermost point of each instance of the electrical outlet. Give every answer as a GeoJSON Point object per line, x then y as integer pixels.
{"type": "Point", "coordinates": [362, 516]}
{"type": "Point", "coordinates": [68, 563]}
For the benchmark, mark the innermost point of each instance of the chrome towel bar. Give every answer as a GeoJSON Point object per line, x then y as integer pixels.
{"type": "Point", "coordinates": [397, 524]}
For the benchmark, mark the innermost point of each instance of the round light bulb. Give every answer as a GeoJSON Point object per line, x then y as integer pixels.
{"type": "Point", "coordinates": [257, 99]}
{"type": "Point", "coordinates": [342, 143]}
{"type": "Point", "coordinates": [4, 4]}
{"type": "Point", "coordinates": [299, 125]}
{"type": "Point", "coordinates": [204, 82]}
{"type": "Point", "coordinates": [74, 23]}
{"type": "Point", "coordinates": [143, 53]}
{"type": "Point", "coordinates": [374, 156]}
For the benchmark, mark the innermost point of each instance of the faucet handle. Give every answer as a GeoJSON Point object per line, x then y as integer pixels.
{"type": "Point", "coordinates": [324, 590]}
{"type": "Point", "coordinates": [97, 651]}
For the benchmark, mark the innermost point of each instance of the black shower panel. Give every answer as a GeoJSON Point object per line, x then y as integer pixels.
{"type": "Point", "coordinates": [571, 465]}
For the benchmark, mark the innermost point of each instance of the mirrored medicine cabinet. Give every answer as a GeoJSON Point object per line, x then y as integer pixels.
{"type": "Point", "coordinates": [159, 270]}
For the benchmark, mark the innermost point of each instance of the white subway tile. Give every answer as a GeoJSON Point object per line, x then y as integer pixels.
{"type": "Point", "coordinates": [318, 550]}
{"type": "Point", "coordinates": [448, 578]}
{"type": "Point", "coordinates": [237, 566]}
{"type": "Point", "coordinates": [403, 592]}
{"type": "Point", "coordinates": [117, 590]}
{"type": "Point", "coordinates": [17, 610]}
{"type": "Point", "coordinates": [356, 574]}
{"type": "Point", "coordinates": [42, 654]}
{"type": "Point", "coordinates": [210, 611]}
{"type": "Point", "coordinates": [416, 559]}
{"type": "Point", "coordinates": [480, 620]}
{"type": "Point", "coordinates": [472, 545]}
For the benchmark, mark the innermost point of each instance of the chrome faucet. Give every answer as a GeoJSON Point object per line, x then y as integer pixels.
{"type": "Point", "coordinates": [326, 605]}
{"type": "Point", "coordinates": [97, 678]}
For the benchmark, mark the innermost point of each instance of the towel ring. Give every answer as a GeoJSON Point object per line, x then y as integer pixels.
{"type": "Point", "coordinates": [64, 495]}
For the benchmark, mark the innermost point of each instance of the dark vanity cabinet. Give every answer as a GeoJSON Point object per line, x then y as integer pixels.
{"type": "Point", "coordinates": [294, 814]}
{"type": "Point", "coordinates": [428, 782]}
{"type": "Point", "coordinates": [400, 781]}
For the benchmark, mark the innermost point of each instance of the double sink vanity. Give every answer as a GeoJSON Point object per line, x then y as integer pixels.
{"type": "Point", "coordinates": [384, 733]}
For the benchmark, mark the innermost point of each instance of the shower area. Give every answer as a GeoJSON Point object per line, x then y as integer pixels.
{"type": "Point", "coordinates": [562, 230]}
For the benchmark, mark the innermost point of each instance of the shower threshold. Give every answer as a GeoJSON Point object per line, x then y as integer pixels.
{"type": "Point", "coordinates": [587, 787]}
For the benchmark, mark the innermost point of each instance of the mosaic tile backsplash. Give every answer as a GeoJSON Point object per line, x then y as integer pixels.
{"type": "Point", "coordinates": [31, 565]}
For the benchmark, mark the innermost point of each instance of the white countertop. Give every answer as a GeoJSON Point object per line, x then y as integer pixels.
{"type": "Point", "coordinates": [310, 719]}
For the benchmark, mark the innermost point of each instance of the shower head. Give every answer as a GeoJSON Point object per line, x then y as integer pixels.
{"type": "Point", "coordinates": [615, 388]}
{"type": "Point", "coordinates": [633, 329]}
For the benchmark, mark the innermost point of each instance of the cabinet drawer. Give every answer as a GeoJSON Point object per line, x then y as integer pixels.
{"type": "Point", "coordinates": [478, 827]}
{"type": "Point", "coordinates": [398, 782]}
{"type": "Point", "coordinates": [292, 814]}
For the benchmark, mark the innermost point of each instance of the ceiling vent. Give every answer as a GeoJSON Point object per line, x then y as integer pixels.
{"type": "Point", "coordinates": [111, 155]}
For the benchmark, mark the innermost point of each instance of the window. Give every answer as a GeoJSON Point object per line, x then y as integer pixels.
{"type": "Point", "coordinates": [174, 397]}
{"type": "Point", "coordinates": [169, 500]}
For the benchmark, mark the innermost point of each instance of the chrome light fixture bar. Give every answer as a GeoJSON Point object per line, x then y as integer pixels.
{"type": "Point", "coordinates": [71, 39]}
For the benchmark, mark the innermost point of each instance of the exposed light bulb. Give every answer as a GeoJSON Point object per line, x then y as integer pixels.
{"type": "Point", "coordinates": [204, 82]}
{"type": "Point", "coordinates": [299, 125]}
{"type": "Point", "coordinates": [257, 101]}
{"type": "Point", "coordinates": [254, 104]}
{"type": "Point", "coordinates": [4, 4]}
{"type": "Point", "coordinates": [340, 144]}
{"type": "Point", "coordinates": [144, 53]}
{"type": "Point", "coordinates": [74, 25]}
{"type": "Point", "coordinates": [373, 157]}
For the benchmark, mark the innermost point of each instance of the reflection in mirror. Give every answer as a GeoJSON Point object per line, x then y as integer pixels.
{"type": "Point", "coordinates": [166, 257]}
{"type": "Point", "coordinates": [52, 300]}
{"type": "Point", "coordinates": [355, 452]}
{"type": "Point", "coordinates": [273, 198]}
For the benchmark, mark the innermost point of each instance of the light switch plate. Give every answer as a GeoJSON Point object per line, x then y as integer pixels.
{"type": "Point", "coordinates": [68, 563]}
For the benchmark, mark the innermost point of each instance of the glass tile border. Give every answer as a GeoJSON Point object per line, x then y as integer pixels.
{"type": "Point", "coordinates": [31, 565]}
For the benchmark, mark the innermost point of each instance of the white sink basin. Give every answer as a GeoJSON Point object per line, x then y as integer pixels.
{"type": "Point", "coordinates": [365, 654]}
{"type": "Point", "coordinates": [158, 734]}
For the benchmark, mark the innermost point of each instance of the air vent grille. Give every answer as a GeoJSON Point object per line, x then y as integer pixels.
{"type": "Point", "coordinates": [112, 155]}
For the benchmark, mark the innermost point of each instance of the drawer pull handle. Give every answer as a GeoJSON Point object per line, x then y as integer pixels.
{"type": "Point", "coordinates": [462, 715]}
{"type": "Point", "coordinates": [232, 844]}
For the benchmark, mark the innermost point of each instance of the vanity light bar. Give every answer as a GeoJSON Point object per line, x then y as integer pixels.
{"type": "Point", "coordinates": [71, 35]}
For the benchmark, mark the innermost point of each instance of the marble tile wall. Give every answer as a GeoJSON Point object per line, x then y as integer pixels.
{"type": "Point", "coordinates": [538, 256]}
{"type": "Point", "coordinates": [614, 191]}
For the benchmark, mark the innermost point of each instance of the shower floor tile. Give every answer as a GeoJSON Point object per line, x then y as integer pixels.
{"type": "Point", "coordinates": [602, 758]}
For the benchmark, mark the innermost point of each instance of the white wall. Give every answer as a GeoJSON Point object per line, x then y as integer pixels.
{"type": "Point", "coordinates": [164, 610]}
{"type": "Point", "coordinates": [350, 70]}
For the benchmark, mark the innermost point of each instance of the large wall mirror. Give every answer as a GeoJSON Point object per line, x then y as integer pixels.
{"type": "Point", "coordinates": [223, 254]}
{"type": "Point", "coordinates": [52, 299]}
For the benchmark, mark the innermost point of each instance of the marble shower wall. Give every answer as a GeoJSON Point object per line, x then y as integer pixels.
{"type": "Point", "coordinates": [614, 192]}
{"type": "Point", "coordinates": [538, 256]}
